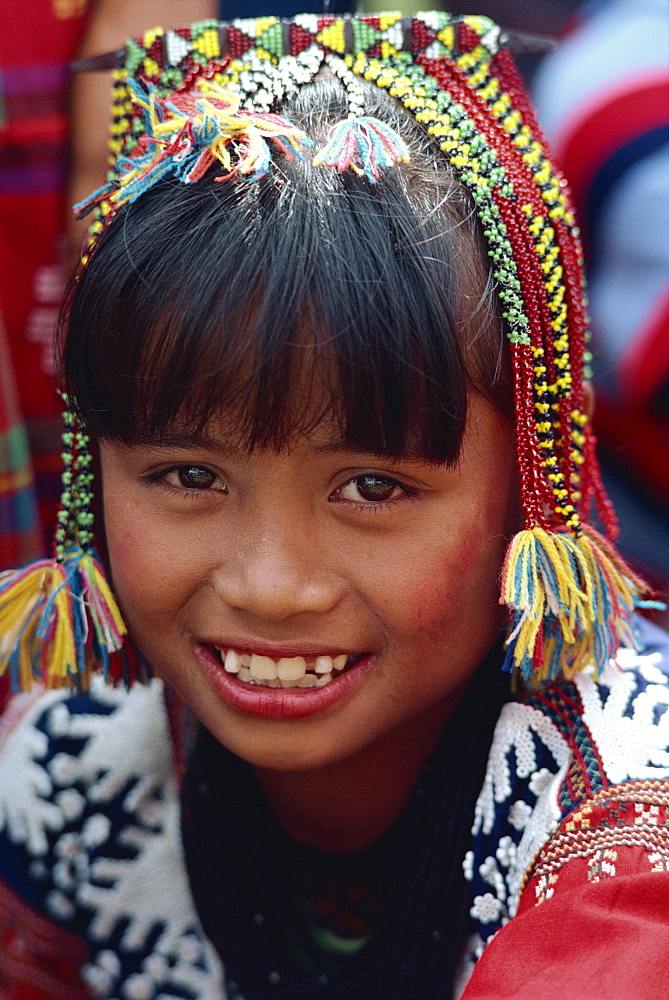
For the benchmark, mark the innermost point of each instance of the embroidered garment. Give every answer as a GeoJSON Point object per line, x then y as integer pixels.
{"type": "Point", "coordinates": [571, 824]}
{"type": "Point", "coordinates": [577, 789]}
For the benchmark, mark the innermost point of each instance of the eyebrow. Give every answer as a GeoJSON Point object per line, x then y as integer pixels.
{"type": "Point", "coordinates": [201, 439]}
{"type": "Point", "coordinates": [195, 440]}
{"type": "Point", "coordinates": [333, 448]}
{"type": "Point", "coordinates": [209, 443]}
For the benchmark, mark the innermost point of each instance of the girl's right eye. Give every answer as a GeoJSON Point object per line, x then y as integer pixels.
{"type": "Point", "coordinates": [191, 478]}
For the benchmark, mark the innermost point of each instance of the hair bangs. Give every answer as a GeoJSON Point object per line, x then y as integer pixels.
{"type": "Point", "coordinates": [280, 315]}
{"type": "Point", "coordinates": [307, 296]}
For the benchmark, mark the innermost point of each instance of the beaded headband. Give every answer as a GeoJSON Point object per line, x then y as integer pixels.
{"type": "Point", "coordinates": [187, 98]}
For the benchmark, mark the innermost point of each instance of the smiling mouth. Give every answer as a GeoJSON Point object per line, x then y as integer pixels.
{"type": "Point", "coordinates": [258, 670]}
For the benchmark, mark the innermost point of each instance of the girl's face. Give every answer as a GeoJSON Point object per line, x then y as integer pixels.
{"type": "Point", "coordinates": [287, 567]}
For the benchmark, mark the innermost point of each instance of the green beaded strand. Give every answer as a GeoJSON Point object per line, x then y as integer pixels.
{"type": "Point", "coordinates": [75, 518]}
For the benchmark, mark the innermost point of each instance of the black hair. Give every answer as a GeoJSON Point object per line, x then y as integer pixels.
{"type": "Point", "coordinates": [307, 294]}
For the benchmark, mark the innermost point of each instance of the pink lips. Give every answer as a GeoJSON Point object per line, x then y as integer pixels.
{"type": "Point", "coordinates": [280, 703]}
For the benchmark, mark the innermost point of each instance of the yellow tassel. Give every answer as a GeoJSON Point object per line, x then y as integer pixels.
{"type": "Point", "coordinates": [57, 622]}
{"type": "Point", "coordinates": [572, 600]}
{"type": "Point", "coordinates": [60, 652]}
{"type": "Point", "coordinates": [23, 595]}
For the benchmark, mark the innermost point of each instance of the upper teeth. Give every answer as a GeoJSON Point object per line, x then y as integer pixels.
{"type": "Point", "coordinates": [288, 671]}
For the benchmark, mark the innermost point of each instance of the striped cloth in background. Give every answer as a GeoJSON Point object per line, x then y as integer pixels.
{"type": "Point", "coordinates": [19, 531]}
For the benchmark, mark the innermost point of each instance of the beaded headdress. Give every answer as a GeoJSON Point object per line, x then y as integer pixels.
{"type": "Point", "coordinates": [187, 98]}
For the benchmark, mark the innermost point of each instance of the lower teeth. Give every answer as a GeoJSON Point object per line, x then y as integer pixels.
{"type": "Point", "coordinates": [308, 681]}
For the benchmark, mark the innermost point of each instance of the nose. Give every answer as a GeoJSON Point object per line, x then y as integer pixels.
{"type": "Point", "coordinates": [278, 573]}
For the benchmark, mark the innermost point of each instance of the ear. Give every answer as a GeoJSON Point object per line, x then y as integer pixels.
{"type": "Point", "coordinates": [589, 400]}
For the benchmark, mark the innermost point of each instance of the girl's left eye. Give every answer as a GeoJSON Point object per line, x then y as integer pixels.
{"type": "Point", "coordinates": [192, 478]}
{"type": "Point", "coordinates": [371, 488]}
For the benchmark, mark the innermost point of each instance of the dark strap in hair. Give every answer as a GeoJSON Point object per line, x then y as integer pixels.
{"type": "Point", "coordinates": [517, 42]}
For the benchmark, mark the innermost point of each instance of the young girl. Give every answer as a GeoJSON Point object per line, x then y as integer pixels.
{"type": "Point", "coordinates": [328, 346]}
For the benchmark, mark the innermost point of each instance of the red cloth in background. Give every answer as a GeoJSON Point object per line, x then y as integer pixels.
{"type": "Point", "coordinates": [37, 41]}
{"type": "Point", "coordinates": [38, 959]}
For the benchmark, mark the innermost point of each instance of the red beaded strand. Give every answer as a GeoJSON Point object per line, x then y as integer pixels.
{"type": "Point", "coordinates": [504, 68]}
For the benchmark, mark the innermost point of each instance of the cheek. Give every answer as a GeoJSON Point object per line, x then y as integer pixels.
{"type": "Point", "coordinates": [452, 588]}
{"type": "Point", "coordinates": [147, 566]}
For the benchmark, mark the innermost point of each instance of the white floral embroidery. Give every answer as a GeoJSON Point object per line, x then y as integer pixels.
{"type": "Point", "coordinates": [626, 712]}
{"type": "Point", "coordinates": [68, 846]}
{"type": "Point", "coordinates": [102, 974]}
{"type": "Point", "coordinates": [623, 721]}
{"type": "Point", "coordinates": [540, 780]}
{"type": "Point", "coordinates": [71, 803]}
{"type": "Point", "coordinates": [37, 869]}
{"type": "Point", "coordinates": [156, 966]}
{"type": "Point", "coordinates": [491, 874]}
{"type": "Point", "coordinates": [63, 876]}
{"type": "Point", "coordinates": [506, 852]}
{"type": "Point", "coordinates": [152, 885]}
{"type": "Point", "coordinates": [486, 908]}
{"type": "Point", "coordinates": [59, 905]}
{"type": "Point", "coordinates": [96, 830]}
{"type": "Point", "coordinates": [25, 786]}
{"type": "Point", "coordinates": [108, 961]}
{"type": "Point", "coordinates": [58, 720]}
{"type": "Point", "coordinates": [132, 878]}
{"type": "Point", "coordinates": [139, 987]}
{"type": "Point", "coordinates": [121, 747]}
{"type": "Point", "coordinates": [519, 814]}
{"type": "Point", "coordinates": [99, 981]}
{"type": "Point", "coordinates": [516, 730]}
{"type": "Point", "coordinates": [63, 769]}
{"type": "Point", "coordinates": [544, 820]}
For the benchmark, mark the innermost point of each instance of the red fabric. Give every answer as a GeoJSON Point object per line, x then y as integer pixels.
{"type": "Point", "coordinates": [38, 39]}
{"type": "Point", "coordinates": [38, 959]}
{"type": "Point", "coordinates": [644, 366]}
{"type": "Point", "coordinates": [601, 941]}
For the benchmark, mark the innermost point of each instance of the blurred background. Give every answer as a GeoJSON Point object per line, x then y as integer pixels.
{"type": "Point", "coordinates": [603, 100]}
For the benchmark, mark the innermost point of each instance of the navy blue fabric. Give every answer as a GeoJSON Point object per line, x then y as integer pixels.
{"type": "Point", "coordinates": [612, 171]}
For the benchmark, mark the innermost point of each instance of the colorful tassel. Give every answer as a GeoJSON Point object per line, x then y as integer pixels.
{"type": "Point", "coordinates": [58, 620]}
{"type": "Point", "coordinates": [188, 134]}
{"type": "Point", "coordinates": [572, 600]}
{"type": "Point", "coordinates": [365, 145]}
